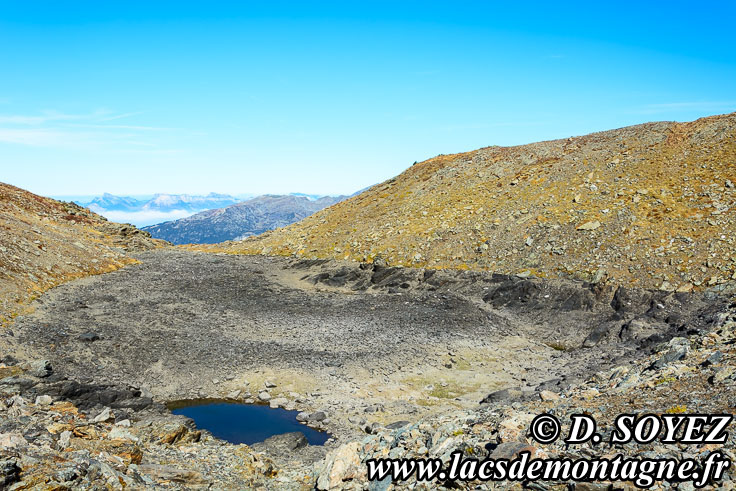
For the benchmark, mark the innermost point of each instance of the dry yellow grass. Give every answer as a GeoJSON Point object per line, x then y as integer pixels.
{"type": "Point", "coordinates": [648, 205]}
{"type": "Point", "coordinates": [44, 242]}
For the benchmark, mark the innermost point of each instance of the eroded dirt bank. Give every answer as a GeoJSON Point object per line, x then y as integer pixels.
{"type": "Point", "coordinates": [367, 345]}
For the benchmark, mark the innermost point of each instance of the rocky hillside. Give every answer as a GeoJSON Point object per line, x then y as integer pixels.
{"type": "Point", "coordinates": [251, 217]}
{"type": "Point", "coordinates": [109, 431]}
{"type": "Point", "coordinates": [685, 375]}
{"type": "Point", "coordinates": [44, 242]}
{"type": "Point", "coordinates": [649, 205]}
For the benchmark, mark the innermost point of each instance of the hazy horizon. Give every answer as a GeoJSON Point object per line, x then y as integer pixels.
{"type": "Point", "coordinates": [144, 218]}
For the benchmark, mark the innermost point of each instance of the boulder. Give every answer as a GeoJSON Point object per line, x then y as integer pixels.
{"type": "Point", "coordinates": [317, 416]}
{"type": "Point", "coordinates": [589, 225]}
{"type": "Point", "coordinates": [511, 450]}
{"type": "Point", "coordinates": [514, 428]}
{"type": "Point", "coordinates": [105, 416]}
{"type": "Point", "coordinates": [508, 394]}
{"type": "Point", "coordinates": [282, 444]}
{"type": "Point", "coordinates": [548, 395]}
{"type": "Point", "coordinates": [89, 337]}
{"type": "Point", "coordinates": [678, 349]}
{"type": "Point", "coordinates": [341, 465]}
{"type": "Point", "coordinates": [12, 440]}
{"type": "Point", "coordinates": [169, 473]}
{"type": "Point", "coordinates": [279, 402]}
{"type": "Point", "coordinates": [397, 424]}
{"type": "Point", "coordinates": [121, 433]}
{"type": "Point", "coordinates": [9, 472]}
{"type": "Point", "coordinates": [713, 359]}
{"type": "Point", "coordinates": [41, 368]}
{"type": "Point", "coordinates": [64, 439]}
{"type": "Point", "coordinates": [179, 433]}
{"type": "Point", "coordinates": [44, 400]}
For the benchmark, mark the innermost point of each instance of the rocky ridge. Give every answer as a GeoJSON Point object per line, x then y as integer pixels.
{"type": "Point", "coordinates": [44, 242]}
{"type": "Point", "coordinates": [251, 217]}
{"type": "Point", "coordinates": [396, 361]}
{"type": "Point", "coordinates": [695, 375]}
{"type": "Point", "coordinates": [650, 205]}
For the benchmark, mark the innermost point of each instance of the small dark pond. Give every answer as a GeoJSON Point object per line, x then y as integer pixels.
{"type": "Point", "coordinates": [244, 423]}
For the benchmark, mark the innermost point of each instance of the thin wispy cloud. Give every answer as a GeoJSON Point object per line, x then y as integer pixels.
{"type": "Point", "coordinates": [38, 120]}
{"type": "Point", "coordinates": [57, 129]}
{"type": "Point", "coordinates": [121, 127]}
{"type": "Point", "coordinates": [42, 137]}
{"type": "Point", "coordinates": [50, 116]}
{"type": "Point", "coordinates": [33, 137]}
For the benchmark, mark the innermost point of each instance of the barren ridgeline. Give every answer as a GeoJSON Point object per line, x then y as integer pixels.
{"type": "Point", "coordinates": [433, 331]}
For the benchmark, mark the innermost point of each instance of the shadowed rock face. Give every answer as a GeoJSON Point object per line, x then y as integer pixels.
{"type": "Point", "coordinates": [86, 396]}
{"type": "Point", "coordinates": [571, 313]}
{"type": "Point", "coordinates": [244, 219]}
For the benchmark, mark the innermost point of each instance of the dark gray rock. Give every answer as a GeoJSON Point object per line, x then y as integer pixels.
{"type": "Point", "coordinates": [41, 368]}
{"type": "Point", "coordinates": [317, 416]}
{"type": "Point", "coordinates": [89, 396]}
{"type": "Point", "coordinates": [397, 424]}
{"type": "Point", "coordinates": [630, 300]}
{"type": "Point", "coordinates": [510, 450]}
{"type": "Point", "coordinates": [17, 384]}
{"type": "Point", "coordinates": [714, 358]}
{"type": "Point", "coordinates": [9, 472]}
{"type": "Point", "coordinates": [372, 428]}
{"type": "Point", "coordinates": [282, 444]}
{"type": "Point", "coordinates": [595, 336]}
{"type": "Point", "coordinates": [89, 336]}
{"type": "Point", "coordinates": [503, 395]}
{"type": "Point", "coordinates": [678, 350]}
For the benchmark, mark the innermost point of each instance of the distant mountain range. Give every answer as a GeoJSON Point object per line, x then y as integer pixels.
{"type": "Point", "coordinates": [161, 202]}
{"type": "Point", "coordinates": [114, 203]}
{"type": "Point", "coordinates": [251, 217]}
{"type": "Point", "coordinates": [159, 208]}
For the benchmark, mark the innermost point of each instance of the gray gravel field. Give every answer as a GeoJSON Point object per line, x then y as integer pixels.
{"type": "Point", "coordinates": [358, 342]}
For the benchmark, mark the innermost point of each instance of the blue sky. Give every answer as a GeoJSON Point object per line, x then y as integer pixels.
{"type": "Point", "coordinates": [143, 97]}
